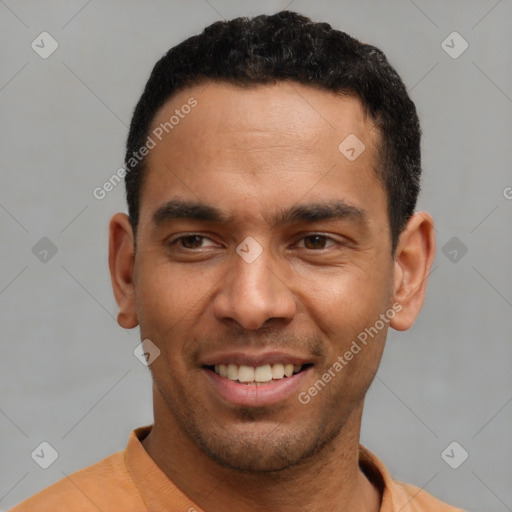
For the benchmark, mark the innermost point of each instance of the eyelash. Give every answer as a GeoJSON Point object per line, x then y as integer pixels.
{"type": "Point", "coordinates": [174, 241]}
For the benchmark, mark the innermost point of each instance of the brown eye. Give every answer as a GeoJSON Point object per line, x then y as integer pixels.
{"type": "Point", "coordinates": [315, 241]}
{"type": "Point", "coordinates": [191, 241]}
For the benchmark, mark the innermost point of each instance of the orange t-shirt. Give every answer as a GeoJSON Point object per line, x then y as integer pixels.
{"type": "Point", "coordinates": [130, 481]}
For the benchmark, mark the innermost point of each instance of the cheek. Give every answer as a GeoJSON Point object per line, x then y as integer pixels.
{"type": "Point", "coordinates": [347, 311]}
{"type": "Point", "coordinates": [345, 301]}
{"type": "Point", "coordinates": [167, 297]}
{"type": "Point", "coordinates": [168, 301]}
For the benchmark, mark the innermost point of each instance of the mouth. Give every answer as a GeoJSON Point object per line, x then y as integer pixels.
{"type": "Point", "coordinates": [262, 374]}
{"type": "Point", "coordinates": [246, 385]}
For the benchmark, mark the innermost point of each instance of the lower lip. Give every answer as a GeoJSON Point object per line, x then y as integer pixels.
{"type": "Point", "coordinates": [256, 395]}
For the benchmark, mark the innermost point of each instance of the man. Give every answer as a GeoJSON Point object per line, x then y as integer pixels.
{"type": "Point", "coordinates": [272, 171]}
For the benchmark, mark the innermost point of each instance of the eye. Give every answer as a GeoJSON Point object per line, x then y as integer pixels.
{"type": "Point", "coordinates": [192, 241]}
{"type": "Point", "coordinates": [316, 241]}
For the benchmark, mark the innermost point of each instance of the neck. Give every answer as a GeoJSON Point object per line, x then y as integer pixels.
{"type": "Point", "coordinates": [330, 480]}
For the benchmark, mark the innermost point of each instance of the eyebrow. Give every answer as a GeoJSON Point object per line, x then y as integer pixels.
{"type": "Point", "coordinates": [180, 209]}
{"type": "Point", "coordinates": [336, 209]}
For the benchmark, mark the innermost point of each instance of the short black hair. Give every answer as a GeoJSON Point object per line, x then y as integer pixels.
{"type": "Point", "coordinates": [288, 46]}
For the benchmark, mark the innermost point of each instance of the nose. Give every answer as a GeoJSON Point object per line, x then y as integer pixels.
{"type": "Point", "coordinates": [252, 294]}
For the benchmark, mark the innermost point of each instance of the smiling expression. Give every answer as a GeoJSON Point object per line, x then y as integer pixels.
{"type": "Point", "coordinates": [259, 170]}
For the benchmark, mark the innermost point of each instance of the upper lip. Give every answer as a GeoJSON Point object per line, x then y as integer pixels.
{"type": "Point", "coordinates": [255, 359]}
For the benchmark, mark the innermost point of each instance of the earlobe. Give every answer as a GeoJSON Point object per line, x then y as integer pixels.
{"type": "Point", "coordinates": [413, 260]}
{"type": "Point", "coordinates": [121, 260]}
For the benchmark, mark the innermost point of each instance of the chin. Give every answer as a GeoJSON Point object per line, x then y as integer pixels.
{"type": "Point", "coordinates": [260, 450]}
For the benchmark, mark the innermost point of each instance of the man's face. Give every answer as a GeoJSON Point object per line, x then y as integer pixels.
{"type": "Point", "coordinates": [268, 159]}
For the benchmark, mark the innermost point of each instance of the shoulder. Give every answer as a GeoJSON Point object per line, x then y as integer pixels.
{"type": "Point", "coordinates": [102, 486]}
{"type": "Point", "coordinates": [397, 495]}
{"type": "Point", "coordinates": [418, 500]}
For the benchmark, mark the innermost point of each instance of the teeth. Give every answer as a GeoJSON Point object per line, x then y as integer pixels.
{"type": "Point", "coordinates": [265, 373]}
{"type": "Point", "coordinates": [232, 372]}
{"type": "Point", "coordinates": [277, 371]}
{"type": "Point", "coordinates": [223, 370]}
{"type": "Point", "coordinates": [246, 373]}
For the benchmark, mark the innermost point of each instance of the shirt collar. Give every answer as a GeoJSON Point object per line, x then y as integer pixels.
{"type": "Point", "coordinates": [158, 491]}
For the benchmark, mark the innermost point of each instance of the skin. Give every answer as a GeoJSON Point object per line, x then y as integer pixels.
{"type": "Point", "coordinates": [255, 152]}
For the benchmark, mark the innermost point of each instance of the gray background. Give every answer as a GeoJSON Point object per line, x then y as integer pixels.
{"type": "Point", "coordinates": [68, 374]}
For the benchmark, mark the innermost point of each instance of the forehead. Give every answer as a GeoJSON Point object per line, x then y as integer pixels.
{"type": "Point", "coordinates": [291, 111]}
{"type": "Point", "coordinates": [268, 144]}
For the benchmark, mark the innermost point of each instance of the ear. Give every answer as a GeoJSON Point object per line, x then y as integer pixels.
{"type": "Point", "coordinates": [121, 261]}
{"type": "Point", "coordinates": [413, 259]}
